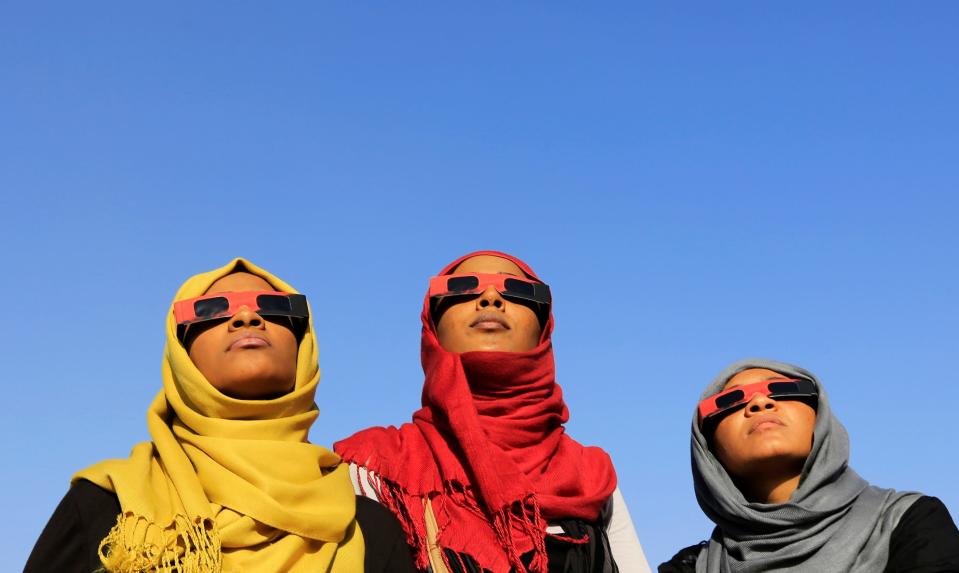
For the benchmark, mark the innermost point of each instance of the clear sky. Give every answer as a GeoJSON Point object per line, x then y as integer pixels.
{"type": "Point", "coordinates": [698, 184]}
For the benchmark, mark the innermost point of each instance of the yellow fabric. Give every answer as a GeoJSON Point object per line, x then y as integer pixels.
{"type": "Point", "coordinates": [230, 485]}
{"type": "Point", "coordinates": [433, 549]}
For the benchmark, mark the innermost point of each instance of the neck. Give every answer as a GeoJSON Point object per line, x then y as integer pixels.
{"type": "Point", "coordinates": [504, 374]}
{"type": "Point", "coordinates": [770, 488]}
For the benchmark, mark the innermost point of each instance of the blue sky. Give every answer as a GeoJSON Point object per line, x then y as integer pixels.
{"type": "Point", "coordinates": [698, 184]}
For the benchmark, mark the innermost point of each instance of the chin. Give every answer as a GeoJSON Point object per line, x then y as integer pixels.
{"type": "Point", "coordinates": [257, 386]}
{"type": "Point", "coordinates": [261, 393]}
{"type": "Point", "coordinates": [487, 348]}
{"type": "Point", "coordinates": [776, 457]}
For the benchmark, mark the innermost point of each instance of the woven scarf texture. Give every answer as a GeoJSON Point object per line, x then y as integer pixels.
{"type": "Point", "coordinates": [834, 521]}
{"type": "Point", "coordinates": [227, 484]}
{"type": "Point", "coordinates": [488, 449]}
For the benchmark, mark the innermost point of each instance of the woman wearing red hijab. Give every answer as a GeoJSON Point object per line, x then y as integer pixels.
{"type": "Point", "coordinates": [484, 478]}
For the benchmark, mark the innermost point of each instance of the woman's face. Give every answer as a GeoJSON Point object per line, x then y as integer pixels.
{"type": "Point", "coordinates": [488, 321]}
{"type": "Point", "coordinates": [245, 356]}
{"type": "Point", "coordinates": [766, 435]}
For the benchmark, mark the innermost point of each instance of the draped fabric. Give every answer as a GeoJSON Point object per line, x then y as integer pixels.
{"type": "Point", "coordinates": [834, 521]}
{"type": "Point", "coordinates": [228, 484]}
{"type": "Point", "coordinates": [488, 449]}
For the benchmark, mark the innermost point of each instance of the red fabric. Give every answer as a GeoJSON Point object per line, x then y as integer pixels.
{"type": "Point", "coordinates": [489, 449]}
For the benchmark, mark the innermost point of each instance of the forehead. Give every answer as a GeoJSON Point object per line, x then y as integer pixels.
{"type": "Point", "coordinates": [751, 376]}
{"type": "Point", "coordinates": [489, 264]}
{"type": "Point", "coordinates": [239, 282]}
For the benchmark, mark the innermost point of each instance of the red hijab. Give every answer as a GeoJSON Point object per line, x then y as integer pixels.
{"type": "Point", "coordinates": [488, 448]}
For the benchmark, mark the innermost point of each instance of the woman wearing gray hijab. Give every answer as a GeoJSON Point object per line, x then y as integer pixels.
{"type": "Point", "coordinates": [770, 470]}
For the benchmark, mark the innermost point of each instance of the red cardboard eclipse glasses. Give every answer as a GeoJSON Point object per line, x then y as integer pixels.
{"type": "Point", "coordinates": [226, 304]}
{"type": "Point", "coordinates": [713, 408]}
{"type": "Point", "coordinates": [510, 286]}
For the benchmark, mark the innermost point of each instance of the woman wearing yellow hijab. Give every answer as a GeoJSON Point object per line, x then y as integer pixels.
{"type": "Point", "coordinates": [229, 482]}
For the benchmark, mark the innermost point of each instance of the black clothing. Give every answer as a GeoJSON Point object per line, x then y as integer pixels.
{"type": "Point", "coordinates": [684, 561]}
{"type": "Point", "coordinates": [583, 549]}
{"type": "Point", "coordinates": [71, 539]}
{"type": "Point", "coordinates": [924, 541]}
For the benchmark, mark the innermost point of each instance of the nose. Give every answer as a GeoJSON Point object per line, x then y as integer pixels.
{"type": "Point", "coordinates": [490, 298]}
{"type": "Point", "coordinates": [246, 318]}
{"type": "Point", "coordinates": [760, 403]}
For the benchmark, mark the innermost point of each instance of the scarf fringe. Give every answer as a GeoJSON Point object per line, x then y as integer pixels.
{"type": "Point", "coordinates": [572, 540]}
{"type": "Point", "coordinates": [394, 498]}
{"type": "Point", "coordinates": [137, 545]}
{"type": "Point", "coordinates": [524, 514]}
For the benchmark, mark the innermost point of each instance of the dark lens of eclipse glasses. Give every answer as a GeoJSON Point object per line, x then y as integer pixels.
{"type": "Point", "coordinates": [728, 400]}
{"type": "Point", "coordinates": [784, 388]}
{"type": "Point", "coordinates": [462, 284]}
{"type": "Point", "coordinates": [273, 303]}
{"type": "Point", "coordinates": [519, 288]}
{"type": "Point", "coordinates": [211, 307]}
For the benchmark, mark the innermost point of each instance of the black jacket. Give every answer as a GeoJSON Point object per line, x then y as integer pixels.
{"type": "Point", "coordinates": [583, 549]}
{"type": "Point", "coordinates": [924, 541]}
{"type": "Point", "coordinates": [70, 541]}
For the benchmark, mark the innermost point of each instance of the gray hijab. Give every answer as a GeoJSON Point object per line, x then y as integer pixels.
{"type": "Point", "coordinates": [834, 521]}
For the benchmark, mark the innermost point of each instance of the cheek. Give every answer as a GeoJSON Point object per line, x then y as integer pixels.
{"type": "Point", "coordinates": [285, 342]}
{"type": "Point", "coordinates": [205, 358]}
{"type": "Point", "coordinates": [724, 443]}
{"type": "Point", "coordinates": [806, 422]}
{"type": "Point", "coordinates": [449, 327]}
{"type": "Point", "coordinates": [201, 347]}
{"type": "Point", "coordinates": [527, 326]}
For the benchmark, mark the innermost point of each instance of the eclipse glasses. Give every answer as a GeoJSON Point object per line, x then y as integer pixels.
{"type": "Point", "coordinates": [715, 407]}
{"type": "Point", "coordinates": [510, 286]}
{"type": "Point", "coordinates": [225, 304]}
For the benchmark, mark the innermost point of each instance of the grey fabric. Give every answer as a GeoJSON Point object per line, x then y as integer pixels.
{"type": "Point", "coordinates": [834, 521]}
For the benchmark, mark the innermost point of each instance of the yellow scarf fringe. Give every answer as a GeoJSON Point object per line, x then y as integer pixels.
{"type": "Point", "coordinates": [184, 547]}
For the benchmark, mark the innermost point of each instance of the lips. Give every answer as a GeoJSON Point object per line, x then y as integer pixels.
{"type": "Point", "coordinates": [765, 423]}
{"type": "Point", "coordinates": [248, 341]}
{"type": "Point", "coordinates": [489, 321]}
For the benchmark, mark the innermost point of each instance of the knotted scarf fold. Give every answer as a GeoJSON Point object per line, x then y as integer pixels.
{"type": "Point", "coordinates": [228, 484]}
{"type": "Point", "coordinates": [488, 450]}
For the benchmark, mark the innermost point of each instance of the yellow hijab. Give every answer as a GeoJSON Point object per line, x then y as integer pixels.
{"type": "Point", "coordinates": [226, 484]}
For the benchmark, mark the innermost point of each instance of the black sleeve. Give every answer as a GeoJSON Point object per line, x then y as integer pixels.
{"type": "Point", "coordinates": [386, 548]}
{"type": "Point", "coordinates": [684, 561]}
{"type": "Point", "coordinates": [71, 539]}
{"type": "Point", "coordinates": [925, 540]}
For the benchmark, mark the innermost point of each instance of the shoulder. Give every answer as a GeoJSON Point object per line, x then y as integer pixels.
{"type": "Point", "coordinates": [588, 454]}
{"type": "Point", "coordinates": [71, 538]}
{"type": "Point", "coordinates": [90, 505]}
{"type": "Point", "coordinates": [621, 533]}
{"type": "Point", "coordinates": [365, 482]}
{"type": "Point", "coordinates": [386, 548]}
{"type": "Point", "coordinates": [684, 561]}
{"type": "Point", "coordinates": [925, 539]}
{"type": "Point", "coordinates": [95, 507]}
{"type": "Point", "coordinates": [375, 441]}
{"type": "Point", "coordinates": [372, 433]}
{"type": "Point", "coordinates": [926, 508]}
{"type": "Point", "coordinates": [397, 454]}
{"type": "Point", "coordinates": [92, 499]}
